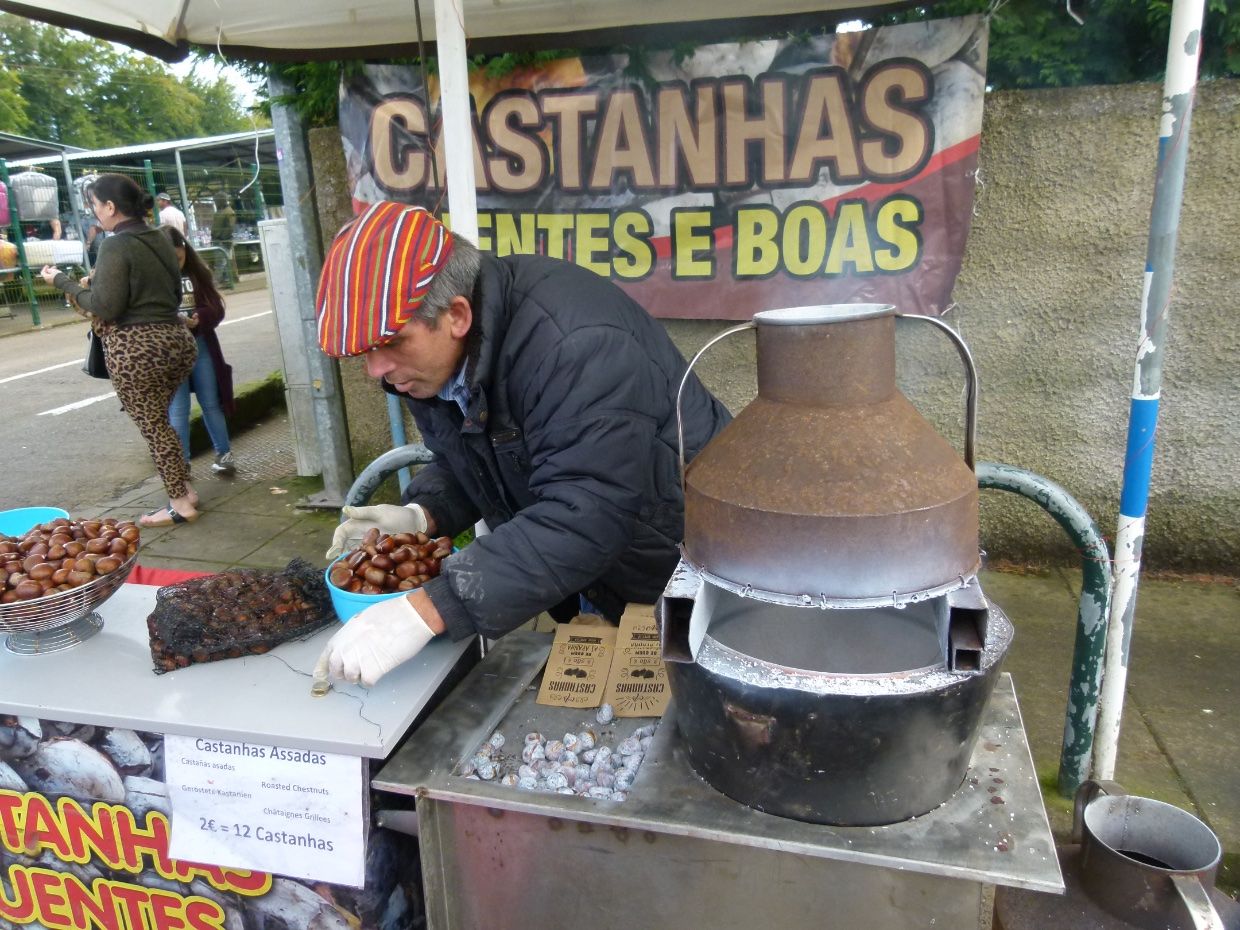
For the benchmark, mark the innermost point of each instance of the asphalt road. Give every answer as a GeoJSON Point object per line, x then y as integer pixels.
{"type": "Point", "coordinates": [64, 440]}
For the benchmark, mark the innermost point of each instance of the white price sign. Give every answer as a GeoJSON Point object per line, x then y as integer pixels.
{"type": "Point", "coordinates": [294, 812]}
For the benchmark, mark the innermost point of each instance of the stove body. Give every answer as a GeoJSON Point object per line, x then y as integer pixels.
{"type": "Point", "coordinates": [677, 852]}
{"type": "Point", "coordinates": [829, 648]}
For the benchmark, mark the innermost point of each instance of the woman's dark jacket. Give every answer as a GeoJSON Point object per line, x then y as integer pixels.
{"type": "Point", "coordinates": [567, 450]}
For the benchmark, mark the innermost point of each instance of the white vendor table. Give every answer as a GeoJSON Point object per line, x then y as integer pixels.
{"type": "Point", "coordinates": [108, 681]}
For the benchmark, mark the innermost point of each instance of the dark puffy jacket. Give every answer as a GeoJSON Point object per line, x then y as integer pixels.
{"type": "Point", "coordinates": [567, 450]}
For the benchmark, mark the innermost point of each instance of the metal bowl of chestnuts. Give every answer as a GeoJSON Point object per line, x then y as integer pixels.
{"type": "Point", "coordinates": [57, 573]}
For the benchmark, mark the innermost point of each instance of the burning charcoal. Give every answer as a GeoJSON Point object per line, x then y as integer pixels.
{"type": "Point", "coordinates": [633, 761]}
{"type": "Point", "coordinates": [554, 750]}
{"type": "Point", "coordinates": [606, 714]}
{"type": "Point", "coordinates": [645, 742]}
{"type": "Point", "coordinates": [571, 742]}
{"type": "Point", "coordinates": [510, 780]}
{"type": "Point", "coordinates": [533, 752]}
{"type": "Point", "coordinates": [527, 771]}
{"type": "Point", "coordinates": [555, 781]}
{"type": "Point", "coordinates": [588, 756]}
{"type": "Point", "coordinates": [531, 738]}
{"type": "Point", "coordinates": [565, 791]}
{"type": "Point", "coordinates": [644, 732]}
{"type": "Point", "coordinates": [467, 768]}
{"type": "Point", "coordinates": [486, 771]}
{"type": "Point", "coordinates": [629, 746]}
{"type": "Point", "coordinates": [583, 773]}
{"type": "Point", "coordinates": [619, 796]}
{"type": "Point", "coordinates": [599, 793]}
{"type": "Point", "coordinates": [587, 740]}
{"type": "Point", "coordinates": [496, 741]}
{"type": "Point", "coordinates": [570, 757]}
{"type": "Point", "coordinates": [527, 784]}
{"type": "Point", "coordinates": [604, 778]}
{"type": "Point", "coordinates": [623, 781]}
{"type": "Point", "coordinates": [602, 757]}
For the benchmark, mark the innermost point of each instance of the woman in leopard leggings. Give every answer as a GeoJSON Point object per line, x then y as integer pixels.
{"type": "Point", "coordinates": [132, 301]}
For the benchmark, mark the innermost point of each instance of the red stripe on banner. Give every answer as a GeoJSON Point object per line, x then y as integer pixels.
{"type": "Point", "coordinates": [870, 192]}
{"type": "Point", "coordinates": [145, 574]}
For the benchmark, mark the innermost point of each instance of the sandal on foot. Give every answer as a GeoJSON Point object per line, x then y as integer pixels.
{"type": "Point", "coordinates": [165, 516]}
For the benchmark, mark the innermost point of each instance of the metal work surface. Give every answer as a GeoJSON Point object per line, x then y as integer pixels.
{"type": "Point", "coordinates": [108, 681]}
{"type": "Point", "coordinates": [992, 831]}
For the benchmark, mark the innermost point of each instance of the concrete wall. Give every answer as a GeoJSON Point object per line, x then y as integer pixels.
{"type": "Point", "coordinates": [1049, 301]}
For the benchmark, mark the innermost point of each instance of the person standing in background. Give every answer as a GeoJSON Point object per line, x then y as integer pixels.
{"type": "Point", "coordinates": [211, 379]}
{"type": "Point", "coordinates": [169, 215]}
{"type": "Point", "coordinates": [133, 299]}
{"type": "Point", "coordinates": [222, 226]}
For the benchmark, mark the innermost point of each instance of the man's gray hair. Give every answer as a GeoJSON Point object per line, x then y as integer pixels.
{"type": "Point", "coordinates": [457, 278]}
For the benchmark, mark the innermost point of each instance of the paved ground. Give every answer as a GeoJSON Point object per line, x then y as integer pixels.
{"type": "Point", "coordinates": [1181, 734]}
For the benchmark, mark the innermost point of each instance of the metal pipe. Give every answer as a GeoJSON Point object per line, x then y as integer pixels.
{"type": "Point", "coordinates": [190, 216]}
{"type": "Point", "coordinates": [1081, 718]}
{"type": "Point", "coordinates": [396, 426]}
{"type": "Point", "coordinates": [1179, 89]}
{"type": "Point", "coordinates": [149, 171]}
{"type": "Point", "coordinates": [75, 208]}
{"type": "Point", "coordinates": [454, 108]}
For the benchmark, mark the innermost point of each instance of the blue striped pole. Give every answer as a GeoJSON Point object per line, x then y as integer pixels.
{"type": "Point", "coordinates": [1179, 87]}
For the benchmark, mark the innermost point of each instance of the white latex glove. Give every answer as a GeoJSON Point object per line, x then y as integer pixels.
{"type": "Point", "coordinates": [373, 642]}
{"type": "Point", "coordinates": [386, 518]}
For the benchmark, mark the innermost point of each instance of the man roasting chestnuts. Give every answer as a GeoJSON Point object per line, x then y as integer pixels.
{"type": "Point", "coordinates": [549, 399]}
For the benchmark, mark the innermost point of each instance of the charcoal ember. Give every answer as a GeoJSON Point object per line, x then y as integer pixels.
{"type": "Point", "coordinates": [235, 613]}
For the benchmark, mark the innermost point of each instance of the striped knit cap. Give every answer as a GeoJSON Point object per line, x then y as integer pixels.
{"type": "Point", "coordinates": [375, 275]}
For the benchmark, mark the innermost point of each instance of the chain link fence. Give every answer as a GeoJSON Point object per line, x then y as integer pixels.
{"type": "Point", "coordinates": [49, 222]}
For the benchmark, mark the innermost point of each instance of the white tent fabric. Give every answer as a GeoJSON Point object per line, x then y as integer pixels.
{"type": "Point", "coordinates": [358, 24]}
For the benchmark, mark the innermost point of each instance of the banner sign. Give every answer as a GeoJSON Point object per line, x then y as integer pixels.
{"type": "Point", "coordinates": [736, 178]}
{"type": "Point", "coordinates": [270, 808]}
{"type": "Point", "coordinates": [85, 832]}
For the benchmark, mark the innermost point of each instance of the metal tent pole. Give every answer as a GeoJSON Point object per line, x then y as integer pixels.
{"type": "Point", "coordinates": [190, 216]}
{"type": "Point", "coordinates": [454, 108]}
{"type": "Point", "coordinates": [1179, 87]}
{"type": "Point", "coordinates": [305, 246]}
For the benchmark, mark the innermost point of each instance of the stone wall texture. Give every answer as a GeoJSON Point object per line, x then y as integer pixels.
{"type": "Point", "coordinates": [1049, 301]}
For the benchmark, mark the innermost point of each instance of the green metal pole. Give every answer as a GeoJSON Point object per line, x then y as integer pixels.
{"type": "Point", "coordinates": [150, 184]}
{"type": "Point", "coordinates": [1081, 718]}
{"type": "Point", "coordinates": [15, 224]}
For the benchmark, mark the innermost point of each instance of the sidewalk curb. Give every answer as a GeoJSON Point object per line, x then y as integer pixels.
{"type": "Point", "coordinates": [254, 402]}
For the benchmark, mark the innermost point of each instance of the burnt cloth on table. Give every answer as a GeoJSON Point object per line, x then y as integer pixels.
{"type": "Point", "coordinates": [235, 613]}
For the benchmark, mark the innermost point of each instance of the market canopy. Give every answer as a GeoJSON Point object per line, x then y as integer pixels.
{"type": "Point", "coordinates": [383, 28]}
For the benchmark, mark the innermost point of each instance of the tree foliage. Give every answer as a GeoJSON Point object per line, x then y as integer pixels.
{"type": "Point", "coordinates": [63, 87]}
{"type": "Point", "coordinates": [1036, 43]}
{"type": "Point", "coordinates": [1033, 43]}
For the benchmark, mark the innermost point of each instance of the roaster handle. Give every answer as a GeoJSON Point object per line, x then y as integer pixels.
{"type": "Point", "coordinates": [970, 370]}
{"type": "Point", "coordinates": [680, 423]}
{"type": "Point", "coordinates": [1090, 789]}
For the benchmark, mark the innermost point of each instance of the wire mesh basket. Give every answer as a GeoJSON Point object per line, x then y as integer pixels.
{"type": "Point", "coordinates": [61, 611]}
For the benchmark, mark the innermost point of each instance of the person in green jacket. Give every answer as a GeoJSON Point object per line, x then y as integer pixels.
{"type": "Point", "coordinates": [132, 300]}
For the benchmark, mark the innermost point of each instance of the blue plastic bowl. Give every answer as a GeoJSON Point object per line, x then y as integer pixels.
{"type": "Point", "coordinates": [347, 603]}
{"type": "Point", "coordinates": [17, 521]}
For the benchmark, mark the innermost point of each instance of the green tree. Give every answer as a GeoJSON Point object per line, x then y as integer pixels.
{"type": "Point", "coordinates": [1036, 43]}
{"type": "Point", "coordinates": [12, 103]}
{"type": "Point", "coordinates": [83, 92]}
